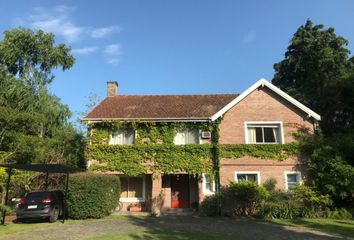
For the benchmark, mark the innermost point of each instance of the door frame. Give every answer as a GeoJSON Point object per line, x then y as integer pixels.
{"type": "Point", "coordinates": [188, 189]}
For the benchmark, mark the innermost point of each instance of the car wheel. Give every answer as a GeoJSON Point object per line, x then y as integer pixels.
{"type": "Point", "coordinates": [54, 215]}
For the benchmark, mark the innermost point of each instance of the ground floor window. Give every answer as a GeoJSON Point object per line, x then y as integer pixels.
{"type": "Point", "coordinates": [208, 184]}
{"type": "Point", "coordinates": [292, 179]}
{"type": "Point", "coordinates": [132, 188]}
{"type": "Point", "coordinates": [247, 176]}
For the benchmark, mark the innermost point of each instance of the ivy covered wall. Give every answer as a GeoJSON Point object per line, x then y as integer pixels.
{"type": "Point", "coordinates": [154, 151]}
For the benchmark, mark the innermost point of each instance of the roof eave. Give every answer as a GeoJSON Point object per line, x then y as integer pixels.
{"type": "Point", "coordinates": [204, 119]}
{"type": "Point", "coordinates": [263, 82]}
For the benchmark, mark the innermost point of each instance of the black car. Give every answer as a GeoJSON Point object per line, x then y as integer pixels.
{"type": "Point", "coordinates": [41, 205]}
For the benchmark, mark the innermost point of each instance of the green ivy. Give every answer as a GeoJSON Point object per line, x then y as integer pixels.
{"type": "Point", "coordinates": [266, 151]}
{"type": "Point", "coordinates": [147, 132]}
{"type": "Point", "coordinates": [163, 158]}
{"type": "Point", "coordinates": [155, 152]}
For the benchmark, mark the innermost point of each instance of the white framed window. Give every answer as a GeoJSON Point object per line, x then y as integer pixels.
{"type": "Point", "coordinates": [208, 184]}
{"type": "Point", "coordinates": [122, 136]}
{"type": "Point", "coordinates": [264, 132]}
{"type": "Point", "coordinates": [187, 136]}
{"type": "Point", "coordinates": [132, 188]}
{"type": "Point", "coordinates": [251, 176]}
{"type": "Point", "coordinates": [292, 179]}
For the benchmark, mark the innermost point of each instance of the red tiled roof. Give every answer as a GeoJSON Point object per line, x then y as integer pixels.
{"type": "Point", "coordinates": [160, 106]}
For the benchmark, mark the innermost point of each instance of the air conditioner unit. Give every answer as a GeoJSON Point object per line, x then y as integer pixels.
{"type": "Point", "coordinates": [206, 135]}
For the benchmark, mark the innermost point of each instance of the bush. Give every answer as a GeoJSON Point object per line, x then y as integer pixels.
{"type": "Point", "coordinates": [310, 198]}
{"type": "Point", "coordinates": [4, 209]}
{"type": "Point", "coordinates": [244, 198]}
{"type": "Point", "coordinates": [92, 195]}
{"type": "Point", "coordinates": [270, 184]}
{"type": "Point", "coordinates": [301, 202]}
{"type": "Point", "coordinates": [211, 205]}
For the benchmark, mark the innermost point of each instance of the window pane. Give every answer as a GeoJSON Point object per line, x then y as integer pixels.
{"type": "Point", "coordinates": [117, 138]}
{"type": "Point", "coordinates": [180, 138]}
{"type": "Point", "coordinates": [209, 185]}
{"type": "Point", "coordinates": [129, 136]}
{"type": "Point", "coordinates": [124, 187]}
{"type": "Point", "coordinates": [292, 178]}
{"type": "Point", "coordinates": [241, 177]}
{"type": "Point", "coordinates": [252, 177]}
{"type": "Point", "coordinates": [135, 187]}
{"type": "Point", "coordinates": [192, 136]}
{"type": "Point", "coordinates": [291, 185]}
{"type": "Point", "coordinates": [269, 135]}
{"type": "Point", "coordinates": [259, 135]}
{"type": "Point", "coordinates": [251, 135]}
{"type": "Point", "coordinates": [247, 177]}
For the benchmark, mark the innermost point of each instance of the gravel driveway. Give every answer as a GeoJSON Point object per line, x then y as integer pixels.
{"type": "Point", "coordinates": [234, 227]}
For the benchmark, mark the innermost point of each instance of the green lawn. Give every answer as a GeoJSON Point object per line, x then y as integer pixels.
{"type": "Point", "coordinates": [163, 235]}
{"type": "Point", "coordinates": [341, 227]}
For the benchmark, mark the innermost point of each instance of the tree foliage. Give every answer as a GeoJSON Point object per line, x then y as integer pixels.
{"type": "Point", "coordinates": [316, 70]}
{"type": "Point", "coordinates": [34, 123]}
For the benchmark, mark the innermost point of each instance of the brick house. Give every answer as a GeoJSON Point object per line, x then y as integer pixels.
{"type": "Point", "coordinates": [263, 117]}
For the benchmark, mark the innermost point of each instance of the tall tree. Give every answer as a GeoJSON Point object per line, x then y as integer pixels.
{"type": "Point", "coordinates": [317, 71]}
{"type": "Point", "coordinates": [34, 123]}
{"type": "Point", "coordinates": [30, 57]}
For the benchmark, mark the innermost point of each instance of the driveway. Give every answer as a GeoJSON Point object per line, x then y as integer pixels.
{"type": "Point", "coordinates": [244, 229]}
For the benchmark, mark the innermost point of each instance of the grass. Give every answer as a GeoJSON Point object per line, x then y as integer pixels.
{"type": "Point", "coordinates": [334, 226]}
{"type": "Point", "coordinates": [163, 235]}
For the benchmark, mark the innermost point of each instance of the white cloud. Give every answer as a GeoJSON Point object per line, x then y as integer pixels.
{"type": "Point", "coordinates": [105, 31]}
{"type": "Point", "coordinates": [113, 61]}
{"type": "Point", "coordinates": [249, 37]}
{"type": "Point", "coordinates": [58, 20]}
{"type": "Point", "coordinates": [85, 50]}
{"type": "Point", "coordinates": [113, 49]}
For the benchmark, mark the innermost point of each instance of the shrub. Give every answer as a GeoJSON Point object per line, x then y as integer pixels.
{"type": "Point", "coordinates": [310, 198]}
{"type": "Point", "coordinates": [301, 202]}
{"type": "Point", "coordinates": [92, 195]}
{"type": "Point", "coordinates": [211, 205]}
{"type": "Point", "coordinates": [4, 210]}
{"type": "Point", "coordinates": [270, 184]}
{"type": "Point", "coordinates": [282, 209]}
{"type": "Point", "coordinates": [244, 198]}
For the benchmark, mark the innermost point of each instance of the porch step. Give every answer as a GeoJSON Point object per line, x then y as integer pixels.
{"type": "Point", "coordinates": [178, 212]}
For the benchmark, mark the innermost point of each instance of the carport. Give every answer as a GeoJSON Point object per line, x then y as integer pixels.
{"type": "Point", "coordinates": [44, 168]}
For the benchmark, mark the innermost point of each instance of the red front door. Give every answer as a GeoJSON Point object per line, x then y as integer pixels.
{"type": "Point", "coordinates": [180, 191]}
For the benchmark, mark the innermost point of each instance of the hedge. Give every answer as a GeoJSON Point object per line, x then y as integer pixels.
{"type": "Point", "coordinates": [92, 195]}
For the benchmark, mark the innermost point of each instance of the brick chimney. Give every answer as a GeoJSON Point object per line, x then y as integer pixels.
{"type": "Point", "coordinates": [112, 89]}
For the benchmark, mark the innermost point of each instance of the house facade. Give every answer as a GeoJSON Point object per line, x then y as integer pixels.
{"type": "Point", "coordinates": [170, 151]}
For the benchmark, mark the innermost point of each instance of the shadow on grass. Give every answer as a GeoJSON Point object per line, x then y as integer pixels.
{"type": "Point", "coordinates": [161, 235]}
{"type": "Point", "coordinates": [342, 227]}
{"type": "Point", "coordinates": [195, 227]}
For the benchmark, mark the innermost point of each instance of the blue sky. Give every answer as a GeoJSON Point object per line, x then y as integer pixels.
{"type": "Point", "coordinates": [170, 47]}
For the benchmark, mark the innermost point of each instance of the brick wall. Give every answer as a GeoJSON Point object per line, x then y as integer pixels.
{"type": "Point", "coordinates": [268, 168]}
{"type": "Point", "coordinates": [261, 105]}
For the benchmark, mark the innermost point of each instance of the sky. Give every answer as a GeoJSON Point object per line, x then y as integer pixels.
{"type": "Point", "coordinates": [171, 47]}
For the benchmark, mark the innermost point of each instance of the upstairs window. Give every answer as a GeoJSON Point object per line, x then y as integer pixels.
{"type": "Point", "coordinates": [264, 133]}
{"type": "Point", "coordinates": [123, 136]}
{"type": "Point", "coordinates": [187, 136]}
